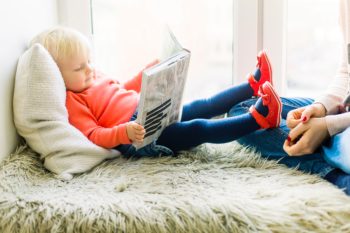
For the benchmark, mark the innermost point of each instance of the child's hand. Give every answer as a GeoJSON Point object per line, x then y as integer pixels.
{"type": "Point", "coordinates": [135, 132]}
{"type": "Point", "coordinates": [154, 62]}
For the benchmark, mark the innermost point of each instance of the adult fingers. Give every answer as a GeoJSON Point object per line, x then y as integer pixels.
{"type": "Point", "coordinates": [307, 114]}
{"type": "Point", "coordinates": [293, 117]}
{"type": "Point", "coordinates": [297, 132]}
{"type": "Point", "coordinates": [299, 141]}
{"type": "Point", "coordinates": [294, 149]}
{"type": "Point", "coordinates": [296, 113]}
{"type": "Point", "coordinates": [292, 123]}
{"type": "Point", "coordinates": [286, 146]}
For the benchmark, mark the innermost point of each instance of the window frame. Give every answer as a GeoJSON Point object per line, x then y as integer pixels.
{"type": "Point", "coordinates": [274, 35]}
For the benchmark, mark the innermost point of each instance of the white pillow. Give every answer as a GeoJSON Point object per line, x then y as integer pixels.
{"type": "Point", "coordinates": [41, 117]}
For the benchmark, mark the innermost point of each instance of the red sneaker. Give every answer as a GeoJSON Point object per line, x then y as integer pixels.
{"type": "Point", "coordinates": [264, 65]}
{"type": "Point", "coordinates": [270, 99]}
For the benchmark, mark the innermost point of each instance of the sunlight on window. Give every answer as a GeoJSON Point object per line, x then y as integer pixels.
{"type": "Point", "coordinates": [313, 46]}
{"type": "Point", "coordinates": [128, 35]}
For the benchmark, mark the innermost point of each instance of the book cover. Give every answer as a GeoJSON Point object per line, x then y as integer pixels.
{"type": "Point", "coordinates": [162, 91]}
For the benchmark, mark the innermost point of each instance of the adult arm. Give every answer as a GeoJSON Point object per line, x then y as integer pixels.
{"type": "Point", "coordinates": [338, 90]}
{"type": "Point", "coordinates": [308, 133]}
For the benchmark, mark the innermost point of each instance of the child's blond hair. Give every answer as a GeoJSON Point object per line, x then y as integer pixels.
{"type": "Point", "coordinates": [63, 42]}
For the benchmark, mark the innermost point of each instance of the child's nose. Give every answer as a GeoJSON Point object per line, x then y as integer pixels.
{"type": "Point", "coordinates": [89, 68]}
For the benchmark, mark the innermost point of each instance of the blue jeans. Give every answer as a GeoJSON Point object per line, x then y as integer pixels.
{"type": "Point", "coordinates": [197, 125]}
{"type": "Point", "coordinates": [337, 151]}
{"type": "Point", "coordinates": [270, 142]}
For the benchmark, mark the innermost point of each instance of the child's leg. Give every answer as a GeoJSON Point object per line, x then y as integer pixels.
{"type": "Point", "coordinates": [187, 134]}
{"type": "Point", "coordinates": [218, 104]}
{"type": "Point", "coordinates": [223, 101]}
{"type": "Point", "coordinates": [270, 142]}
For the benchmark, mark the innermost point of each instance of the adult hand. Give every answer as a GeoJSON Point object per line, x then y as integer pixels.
{"type": "Point", "coordinates": [304, 114]}
{"type": "Point", "coordinates": [305, 138]}
{"type": "Point", "coordinates": [135, 132]}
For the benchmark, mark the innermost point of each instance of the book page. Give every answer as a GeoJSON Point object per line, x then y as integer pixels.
{"type": "Point", "coordinates": [170, 46]}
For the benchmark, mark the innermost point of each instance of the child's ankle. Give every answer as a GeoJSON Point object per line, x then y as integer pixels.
{"type": "Point", "coordinates": [267, 110]}
{"type": "Point", "coordinates": [257, 75]}
{"type": "Point", "coordinates": [263, 110]}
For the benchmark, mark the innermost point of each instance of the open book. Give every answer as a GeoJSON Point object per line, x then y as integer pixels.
{"type": "Point", "coordinates": [162, 90]}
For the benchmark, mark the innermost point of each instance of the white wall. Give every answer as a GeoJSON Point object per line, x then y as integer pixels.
{"type": "Point", "coordinates": [20, 20]}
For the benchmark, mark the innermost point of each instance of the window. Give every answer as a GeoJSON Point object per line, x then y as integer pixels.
{"type": "Point", "coordinates": [302, 37]}
{"type": "Point", "coordinates": [127, 35]}
{"type": "Point", "coordinates": [313, 46]}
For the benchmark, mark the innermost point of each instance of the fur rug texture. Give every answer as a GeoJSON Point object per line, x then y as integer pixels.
{"type": "Point", "coordinates": [215, 188]}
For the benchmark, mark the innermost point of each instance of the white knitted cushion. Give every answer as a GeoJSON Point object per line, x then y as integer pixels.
{"type": "Point", "coordinates": [41, 117]}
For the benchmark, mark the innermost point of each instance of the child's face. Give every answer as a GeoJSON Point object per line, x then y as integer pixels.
{"type": "Point", "coordinates": [77, 73]}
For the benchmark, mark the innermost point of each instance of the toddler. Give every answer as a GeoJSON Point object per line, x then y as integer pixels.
{"type": "Point", "coordinates": [104, 109]}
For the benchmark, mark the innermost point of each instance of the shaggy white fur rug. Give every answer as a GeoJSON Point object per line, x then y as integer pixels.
{"type": "Point", "coordinates": [221, 188]}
